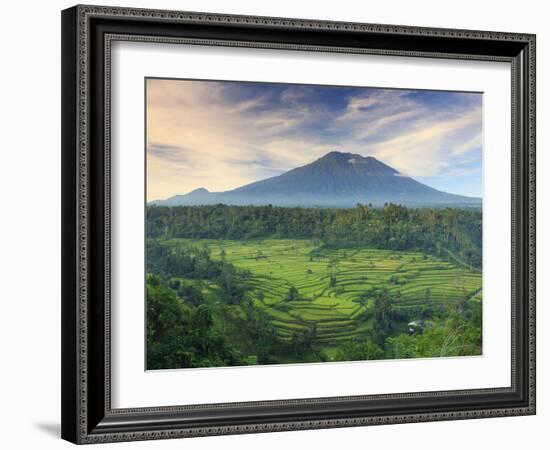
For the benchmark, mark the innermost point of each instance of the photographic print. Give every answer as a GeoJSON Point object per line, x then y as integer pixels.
{"type": "Point", "coordinates": [303, 200]}
{"type": "Point", "coordinates": [292, 223]}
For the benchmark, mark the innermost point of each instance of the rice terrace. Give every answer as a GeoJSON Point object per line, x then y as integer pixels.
{"type": "Point", "coordinates": [330, 286]}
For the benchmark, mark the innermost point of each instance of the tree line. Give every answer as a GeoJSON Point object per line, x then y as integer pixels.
{"type": "Point", "coordinates": [393, 227]}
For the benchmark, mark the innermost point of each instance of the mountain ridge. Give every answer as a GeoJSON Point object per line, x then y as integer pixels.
{"type": "Point", "coordinates": [337, 179]}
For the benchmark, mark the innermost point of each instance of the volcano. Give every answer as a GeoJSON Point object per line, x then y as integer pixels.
{"type": "Point", "coordinates": [336, 180]}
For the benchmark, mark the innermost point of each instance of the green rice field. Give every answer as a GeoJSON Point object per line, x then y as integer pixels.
{"type": "Point", "coordinates": [333, 284]}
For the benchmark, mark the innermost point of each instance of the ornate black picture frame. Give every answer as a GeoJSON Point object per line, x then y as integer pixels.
{"type": "Point", "coordinates": [87, 34]}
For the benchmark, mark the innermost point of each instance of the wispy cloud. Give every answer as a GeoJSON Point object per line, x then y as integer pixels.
{"type": "Point", "coordinates": [221, 135]}
{"type": "Point", "coordinates": [427, 147]}
{"type": "Point", "coordinates": [169, 153]}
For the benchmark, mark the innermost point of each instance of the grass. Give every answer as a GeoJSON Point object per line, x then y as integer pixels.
{"type": "Point", "coordinates": [336, 310]}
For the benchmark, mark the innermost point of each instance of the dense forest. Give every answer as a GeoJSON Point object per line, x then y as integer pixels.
{"type": "Point", "coordinates": [203, 311]}
{"type": "Point", "coordinates": [448, 231]}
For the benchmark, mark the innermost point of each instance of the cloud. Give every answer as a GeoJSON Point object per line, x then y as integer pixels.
{"type": "Point", "coordinates": [221, 135]}
{"type": "Point", "coordinates": [419, 133]}
{"type": "Point", "coordinates": [378, 104]}
{"type": "Point", "coordinates": [170, 153]}
{"type": "Point", "coordinates": [475, 143]}
{"type": "Point", "coordinates": [423, 149]}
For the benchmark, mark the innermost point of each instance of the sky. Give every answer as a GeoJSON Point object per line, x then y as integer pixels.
{"type": "Point", "coordinates": [222, 135]}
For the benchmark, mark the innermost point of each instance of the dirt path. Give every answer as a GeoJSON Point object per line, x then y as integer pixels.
{"type": "Point", "coordinates": [475, 294]}
{"type": "Point", "coordinates": [460, 261]}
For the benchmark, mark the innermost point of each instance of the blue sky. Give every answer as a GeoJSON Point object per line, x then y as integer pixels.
{"type": "Point", "coordinates": [221, 135]}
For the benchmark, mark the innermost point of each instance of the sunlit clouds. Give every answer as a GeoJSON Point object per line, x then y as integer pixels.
{"type": "Point", "coordinates": [221, 135]}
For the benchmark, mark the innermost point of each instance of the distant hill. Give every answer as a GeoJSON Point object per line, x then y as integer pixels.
{"type": "Point", "coordinates": [335, 180]}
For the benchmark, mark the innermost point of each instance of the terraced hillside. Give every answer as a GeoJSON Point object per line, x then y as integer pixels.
{"type": "Point", "coordinates": [304, 288]}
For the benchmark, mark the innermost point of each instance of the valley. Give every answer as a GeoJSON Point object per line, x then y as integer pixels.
{"type": "Point", "coordinates": [332, 286]}
{"type": "Point", "coordinates": [245, 285]}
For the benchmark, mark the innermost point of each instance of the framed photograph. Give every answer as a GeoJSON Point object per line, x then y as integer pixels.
{"type": "Point", "coordinates": [279, 224]}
